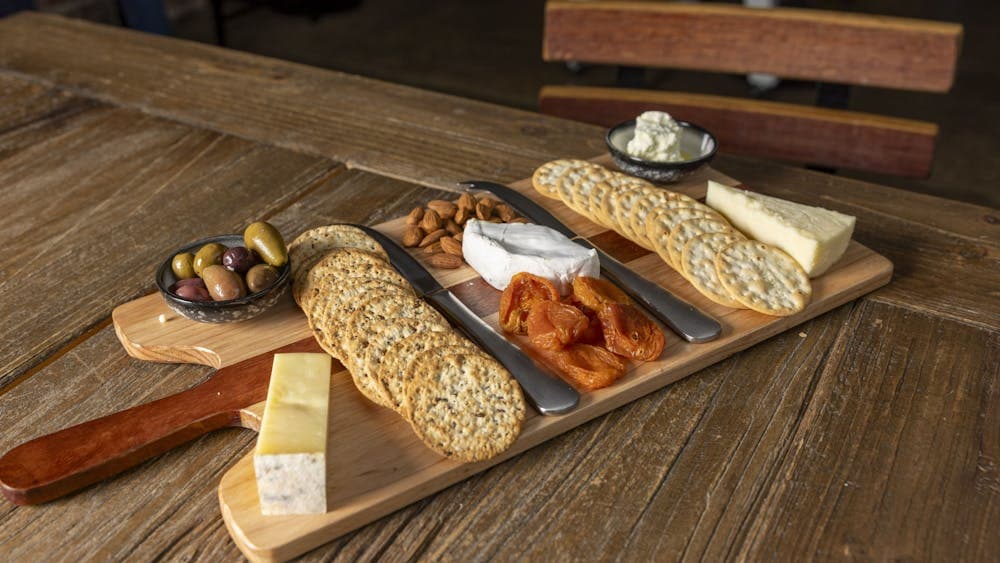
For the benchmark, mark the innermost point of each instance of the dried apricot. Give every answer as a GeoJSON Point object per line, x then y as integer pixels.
{"type": "Point", "coordinates": [588, 367]}
{"type": "Point", "coordinates": [553, 325]}
{"type": "Point", "coordinates": [629, 333]}
{"type": "Point", "coordinates": [517, 299]}
{"type": "Point", "coordinates": [594, 292]}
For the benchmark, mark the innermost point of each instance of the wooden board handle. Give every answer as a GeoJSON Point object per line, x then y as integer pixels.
{"type": "Point", "coordinates": [70, 459]}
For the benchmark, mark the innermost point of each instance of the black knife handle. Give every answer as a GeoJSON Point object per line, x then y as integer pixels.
{"type": "Point", "coordinates": [679, 315]}
{"type": "Point", "coordinates": [550, 395]}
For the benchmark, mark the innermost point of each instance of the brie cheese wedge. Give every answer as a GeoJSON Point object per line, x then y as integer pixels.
{"type": "Point", "coordinates": [499, 250]}
{"type": "Point", "coordinates": [815, 237]}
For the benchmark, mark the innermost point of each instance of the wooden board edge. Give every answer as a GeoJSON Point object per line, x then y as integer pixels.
{"type": "Point", "coordinates": [551, 427]}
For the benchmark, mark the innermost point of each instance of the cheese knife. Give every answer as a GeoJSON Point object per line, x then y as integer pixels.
{"type": "Point", "coordinates": [550, 395]}
{"type": "Point", "coordinates": [682, 317]}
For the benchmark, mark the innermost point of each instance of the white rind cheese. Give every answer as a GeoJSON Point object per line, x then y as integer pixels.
{"type": "Point", "coordinates": [499, 250]}
{"type": "Point", "coordinates": [657, 138]}
{"type": "Point", "coordinates": [815, 237]}
{"type": "Point", "coordinates": [290, 459]}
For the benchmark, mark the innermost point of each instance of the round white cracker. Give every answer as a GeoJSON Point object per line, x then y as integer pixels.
{"type": "Point", "coordinates": [763, 278]}
{"type": "Point", "coordinates": [698, 262]}
{"type": "Point", "coordinates": [687, 230]}
{"type": "Point", "coordinates": [662, 223]}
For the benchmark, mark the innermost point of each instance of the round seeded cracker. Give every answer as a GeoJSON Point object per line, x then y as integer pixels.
{"type": "Point", "coordinates": [327, 313]}
{"type": "Point", "coordinates": [382, 337]}
{"type": "Point", "coordinates": [466, 406]}
{"type": "Point", "coordinates": [311, 245]}
{"type": "Point", "coordinates": [359, 335]}
{"type": "Point", "coordinates": [763, 278]}
{"type": "Point", "coordinates": [394, 370]}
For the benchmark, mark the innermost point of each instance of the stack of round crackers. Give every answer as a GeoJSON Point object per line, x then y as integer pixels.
{"type": "Point", "coordinates": [691, 237]}
{"type": "Point", "coordinates": [401, 353]}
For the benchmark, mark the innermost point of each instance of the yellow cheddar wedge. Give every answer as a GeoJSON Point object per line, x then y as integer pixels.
{"type": "Point", "coordinates": [815, 237]}
{"type": "Point", "coordinates": [290, 460]}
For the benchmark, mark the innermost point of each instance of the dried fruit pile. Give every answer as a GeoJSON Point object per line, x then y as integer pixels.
{"type": "Point", "coordinates": [588, 336]}
{"type": "Point", "coordinates": [437, 227]}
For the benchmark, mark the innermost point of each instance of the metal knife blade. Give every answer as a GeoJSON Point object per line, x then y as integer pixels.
{"type": "Point", "coordinates": [682, 317]}
{"type": "Point", "coordinates": [550, 395]}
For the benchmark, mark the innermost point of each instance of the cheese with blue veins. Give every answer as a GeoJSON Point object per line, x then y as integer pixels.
{"type": "Point", "coordinates": [290, 459]}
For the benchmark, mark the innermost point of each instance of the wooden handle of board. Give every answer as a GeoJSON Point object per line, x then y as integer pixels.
{"type": "Point", "coordinates": [70, 459]}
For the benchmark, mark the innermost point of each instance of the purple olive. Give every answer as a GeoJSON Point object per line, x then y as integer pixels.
{"type": "Point", "coordinates": [239, 259]}
{"type": "Point", "coordinates": [193, 292]}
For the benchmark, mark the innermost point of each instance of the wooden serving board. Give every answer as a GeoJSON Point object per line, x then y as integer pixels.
{"type": "Point", "coordinates": [377, 465]}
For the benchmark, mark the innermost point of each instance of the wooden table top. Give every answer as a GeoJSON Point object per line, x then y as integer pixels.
{"type": "Point", "coordinates": [872, 431]}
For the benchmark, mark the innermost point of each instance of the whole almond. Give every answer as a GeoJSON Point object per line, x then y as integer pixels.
{"type": "Point", "coordinates": [434, 248]}
{"type": "Point", "coordinates": [462, 215]}
{"type": "Point", "coordinates": [452, 227]}
{"type": "Point", "coordinates": [444, 209]}
{"type": "Point", "coordinates": [445, 261]}
{"type": "Point", "coordinates": [466, 201]}
{"type": "Point", "coordinates": [459, 236]}
{"type": "Point", "coordinates": [451, 246]}
{"type": "Point", "coordinates": [505, 212]}
{"type": "Point", "coordinates": [415, 216]}
{"type": "Point", "coordinates": [484, 209]}
{"type": "Point", "coordinates": [432, 237]}
{"type": "Point", "coordinates": [412, 236]}
{"type": "Point", "coordinates": [431, 221]}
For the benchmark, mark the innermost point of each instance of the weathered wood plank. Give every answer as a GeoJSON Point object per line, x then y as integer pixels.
{"type": "Point", "coordinates": [167, 507]}
{"type": "Point", "coordinates": [797, 133]}
{"type": "Point", "coordinates": [806, 44]}
{"type": "Point", "coordinates": [896, 456]}
{"type": "Point", "coordinates": [94, 201]}
{"type": "Point", "coordinates": [25, 102]}
{"type": "Point", "coordinates": [394, 130]}
{"type": "Point", "coordinates": [946, 253]}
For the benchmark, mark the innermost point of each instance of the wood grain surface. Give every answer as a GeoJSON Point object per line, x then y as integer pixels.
{"type": "Point", "coordinates": [870, 433]}
{"type": "Point", "coordinates": [797, 133]}
{"type": "Point", "coordinates": [792, 43]}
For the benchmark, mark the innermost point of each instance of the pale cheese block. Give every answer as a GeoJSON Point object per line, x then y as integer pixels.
{"type": "Point", "coordinates": [290, 459]}
{"type": "Point", "coordinates": [815, 237]}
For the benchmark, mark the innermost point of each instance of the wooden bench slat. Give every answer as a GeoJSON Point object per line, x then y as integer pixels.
{"type": "Point", "coordinates": [835, 138]}
{"type": "Point", "coordinates": [792, 43]}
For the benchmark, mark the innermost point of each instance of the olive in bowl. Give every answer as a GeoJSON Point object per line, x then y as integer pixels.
{"type": "Point", "coordinates": [223, 295]}
{"type": "Point", "coordinates": [697, 146]}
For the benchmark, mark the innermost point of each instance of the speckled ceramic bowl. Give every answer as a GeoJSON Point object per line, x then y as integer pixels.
{"type": "Point", "coordinates": [697, 145]}
{"type": "Point", "coordinates": [229, 311]}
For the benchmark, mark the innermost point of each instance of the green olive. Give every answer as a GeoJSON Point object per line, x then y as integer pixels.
{"type": "Point", "coordinates": [183, 266]}
{"type": "Point", "coordinates": [261, 277]}
{"type": "Point", "coordinates": [266, 240]}
{"type": "Point", "coordinates": [223, 284]}
{"type": "Point", "coordinates": [208, 255]}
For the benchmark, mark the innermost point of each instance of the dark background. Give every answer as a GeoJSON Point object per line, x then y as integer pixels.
{"type": "Point", "coordinates": [491, 50]}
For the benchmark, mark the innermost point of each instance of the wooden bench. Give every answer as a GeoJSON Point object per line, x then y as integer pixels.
{"type": "Point", "coordinates": [827, 47]}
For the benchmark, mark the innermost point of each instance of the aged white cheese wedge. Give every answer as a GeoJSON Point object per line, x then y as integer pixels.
{"type": "Point", "coordinates": [290, 460]}
{"type": "Point", "coordinates": [499, 250]}
{"type": "Point", "coordinates": [815, 237]}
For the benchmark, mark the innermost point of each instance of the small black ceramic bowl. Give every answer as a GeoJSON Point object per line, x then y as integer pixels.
{"type": "Point", "coordinates": [219, 311]}
{"type": "Point", "coordinates": [698, 147]}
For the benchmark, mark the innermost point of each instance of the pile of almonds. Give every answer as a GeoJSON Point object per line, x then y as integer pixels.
{"type": "Point", "coordinates": [437, 227]}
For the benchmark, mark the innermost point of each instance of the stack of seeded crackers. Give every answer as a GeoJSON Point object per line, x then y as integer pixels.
{"type": "Point", "coordinates": [401, 353]}
{"type": "Point", "coordinates": [691, 237]}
